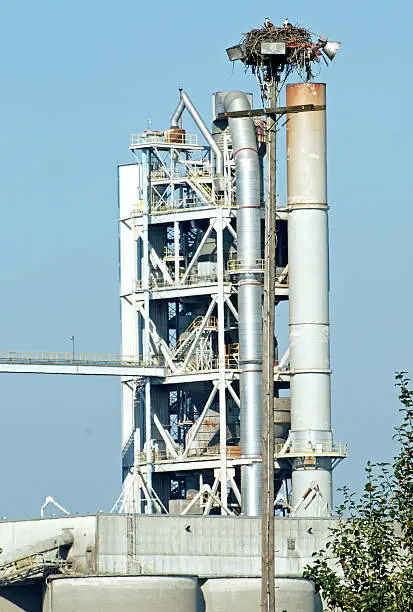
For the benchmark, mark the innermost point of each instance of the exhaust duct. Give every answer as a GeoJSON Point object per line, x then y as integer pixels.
{"type": "Point", "coordinates": [247, 169]}
{"type": "Point", "coordinates": [185, 102]}
{"type": "Point", "coordinates": [308, 298]}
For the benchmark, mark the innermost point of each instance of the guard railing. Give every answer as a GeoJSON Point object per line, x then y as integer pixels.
{"type": "Point", "coordinates": [152, 138]}
{"type": "Point", "coordinates": [78, 359]}
{"type": "Point", "coordinates": [192, 279]}
{"type": "Point", "coordinates": [305, 449]}
{"type": "Point", "coordinates": [237, 266]}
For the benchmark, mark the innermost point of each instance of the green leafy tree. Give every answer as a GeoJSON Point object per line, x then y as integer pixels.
{"type": "Point", "coordinates": [367, 564]}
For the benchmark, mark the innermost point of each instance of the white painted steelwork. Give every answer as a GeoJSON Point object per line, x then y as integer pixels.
{"type": "Point", "coordinates": [168, 197]}
{"type": "Point", "coordinates": [308, 301]}
{"type": "Point", "coordinates": [127, 371]}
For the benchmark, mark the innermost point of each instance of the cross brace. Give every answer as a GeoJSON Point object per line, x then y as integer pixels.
{"type": "Point", "coordinates": [279, 110]}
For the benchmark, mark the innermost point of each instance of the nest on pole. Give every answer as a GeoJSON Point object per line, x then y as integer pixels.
{"type": "Point", "coordinates": [301, 52]}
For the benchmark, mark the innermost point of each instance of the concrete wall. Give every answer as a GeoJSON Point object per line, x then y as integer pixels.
{"type": "Point", "coordinates": [184, 545]}
{"type": "Point", "coordinates": [203, 546]}
{"type": "Point", "coordinates": [114, 544]}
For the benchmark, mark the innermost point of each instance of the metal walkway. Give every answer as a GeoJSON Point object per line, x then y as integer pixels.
{"type": "Point", "coordinates": [67, 363]}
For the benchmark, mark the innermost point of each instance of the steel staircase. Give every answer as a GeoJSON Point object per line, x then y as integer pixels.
{"type": "Point", "coordinates": [203, 190]}
{"type": "Point", "coordinates": [185, 339]}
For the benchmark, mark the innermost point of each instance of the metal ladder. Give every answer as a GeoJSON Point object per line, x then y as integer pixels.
{"type": "Point", "coordinates": [202, 189]}
{"type": "Point", "coordinates": [189, 334]}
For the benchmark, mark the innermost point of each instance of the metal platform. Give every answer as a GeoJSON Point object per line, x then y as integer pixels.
{"type": "Point", "coordinates": [66, 363]}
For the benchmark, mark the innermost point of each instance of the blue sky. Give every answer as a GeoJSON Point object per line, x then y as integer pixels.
{"type": "Point", "coordinates": [77, 79]}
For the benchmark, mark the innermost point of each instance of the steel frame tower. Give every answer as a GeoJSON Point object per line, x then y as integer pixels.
{"type": "Point", "coordinates": [176, 236]}
{"type": "Point", "coordinates": [179, 283]}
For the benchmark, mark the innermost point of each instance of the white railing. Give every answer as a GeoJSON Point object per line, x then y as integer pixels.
{"type": "Point", "coordinates": [160, 207]}
{"type": "Point", "coordinates": [191, 280]}
{"type": "Point", "coordinates": [162, 174]}
{"type": "Point", "coordinates": [240, 265]}
{"type": "Point", "coordinates": [163, 206]}
{"type": "Point", "coordinates": [166, 206]}
{"type": "Point", "coordinates": [78, 359]}
{"type": "Point", "coordinates": [154, 138]}
{"type": "Point", "coordinates": [232, 452]}
{"type": "Point", "coordinates": [306, 449]}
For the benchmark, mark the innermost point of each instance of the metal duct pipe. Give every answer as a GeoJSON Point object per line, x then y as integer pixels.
{"type": "Point", "coordinates": [185, 102]}
{"type": "Point", "coordinates": [247, 169]}
{"type": "Point", "coordinates": [308, 296]}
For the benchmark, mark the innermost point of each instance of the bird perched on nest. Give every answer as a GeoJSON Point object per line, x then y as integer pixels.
{"type": "Point", "coordinates": [267, 23]}
{"type": "Point", "coordinates": [286, 23]}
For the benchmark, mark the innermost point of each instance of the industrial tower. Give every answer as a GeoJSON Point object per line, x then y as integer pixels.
{"type": "Point", "coordinates": [191, 271]}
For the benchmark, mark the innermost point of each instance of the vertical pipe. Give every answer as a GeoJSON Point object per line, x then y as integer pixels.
{"type": "Point", "coordinates": [185, 102]}
{"type": "Point", "coordinates": [148, 442]}
{"type": "Point", "coordinates": [146, 163]}
{"type": "Point", "coordinates": [308, 294]}
{"type": "Point", "coordinates": [247, 171]}
{"type": "Point", "coordinates": [219, 228]}
{"type": "Point", "coordinates": [177, 244]}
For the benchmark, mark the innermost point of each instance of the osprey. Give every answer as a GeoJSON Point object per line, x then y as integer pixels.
{"type": "Point", "coordinates": [286, 23]}
{"type": "Point", "coordinates": [267, 23]}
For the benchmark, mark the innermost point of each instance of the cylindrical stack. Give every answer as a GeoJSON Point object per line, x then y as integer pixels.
{"type": "Point", "coordinates": [308, 298]}
{"type": "Point", "coordinates": [244, 143]}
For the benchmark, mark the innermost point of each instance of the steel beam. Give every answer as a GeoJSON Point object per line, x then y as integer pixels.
{"type": "Point", "coordinates": [277, 110]}
{"type": "Point", "coordinates": [86, 370]}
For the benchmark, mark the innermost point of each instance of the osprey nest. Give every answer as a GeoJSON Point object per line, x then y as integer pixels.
{"type": "Point", "coordinates": [301, 52]}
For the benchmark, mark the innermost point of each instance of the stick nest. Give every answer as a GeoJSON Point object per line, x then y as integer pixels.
{"type": "Point", "coordinates": [301, 52]}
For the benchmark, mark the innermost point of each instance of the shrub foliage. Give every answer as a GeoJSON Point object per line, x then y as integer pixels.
{"type": "Point", "coordinates": [367, 564]}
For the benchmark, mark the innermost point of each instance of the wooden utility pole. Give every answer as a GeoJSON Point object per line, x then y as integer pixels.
{"type": "Point", "coordinates": [267, 521]}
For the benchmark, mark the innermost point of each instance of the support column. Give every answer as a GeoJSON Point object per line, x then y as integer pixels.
{"type": "Point", "coordinates": [176, 250]}
{"type": "Point", "coordinates": [146, 329]}
{"type": "Point", "coordinates": [219, 228]}
{"type": "Point", "coordinates": [308, 295]}
{"type": "Point", "coordinates": [148, 442]}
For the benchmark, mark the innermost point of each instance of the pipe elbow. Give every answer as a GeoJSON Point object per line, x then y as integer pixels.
{"type": "Point", "coordinates": [236, 100]}
{"type": "Point", "coordinates": [178, 112]}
